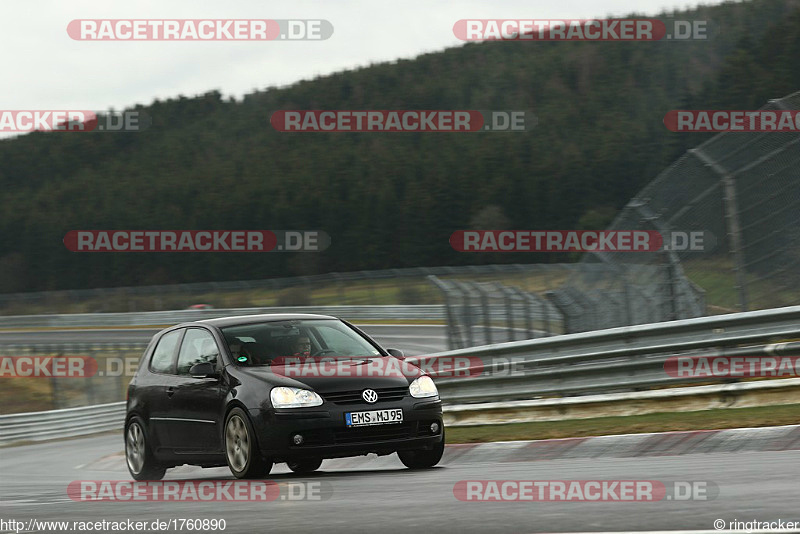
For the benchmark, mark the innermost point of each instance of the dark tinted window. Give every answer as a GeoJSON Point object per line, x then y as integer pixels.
{"type": "Point", "coordinates": [163, 357]}
{"type": "Point", "coordinates": [198, 346]}
{"type": "Point", "coordinates": [261, 343]}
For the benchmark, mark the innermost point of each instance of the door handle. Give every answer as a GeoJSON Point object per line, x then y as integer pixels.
{"type": "Point", "coordinates": [170, 391]}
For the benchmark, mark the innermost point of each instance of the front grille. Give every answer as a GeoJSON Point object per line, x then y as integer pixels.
{"type": "Point", "coordinates": [365, 434]}
{"type": "Point", "coordinates": [354, 397]}
{"type": "Point", "coordinates": [374, 433]}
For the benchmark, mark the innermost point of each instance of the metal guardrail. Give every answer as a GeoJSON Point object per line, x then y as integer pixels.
{"type": "Point", "coordinates": [55, 424]}
{"type": "Point", "coordinates": [617, 359]}
{"type": "Point", "coordinates": [681, 399]}
{"type": "Point", "coordinates": [627, 358]}
{"type": "Point", "coordinates": [424, 312]}
{"type": "Point", "coordinates": [191, 290]}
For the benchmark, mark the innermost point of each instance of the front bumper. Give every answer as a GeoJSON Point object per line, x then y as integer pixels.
{"type": "Point", "coordinates": [326, 435]}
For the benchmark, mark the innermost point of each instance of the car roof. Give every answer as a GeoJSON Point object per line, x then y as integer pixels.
{"type": "Point", "coordinates": [222, 322]}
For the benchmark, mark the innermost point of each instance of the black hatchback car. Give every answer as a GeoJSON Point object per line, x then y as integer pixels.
{"type": "Point", "coordinates": [252, 391]}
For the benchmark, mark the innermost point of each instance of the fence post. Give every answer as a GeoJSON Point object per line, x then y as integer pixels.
{"type": "Point", "coordinates": [487, 320]}
{"type": "Point", "coordinates": [527, 303]}
{"type": "Point", "coordinates": [504, 291]}
{"type": "Point", "coordinates": [452, 333]}
{"type": "Point", "coordinates": [54, 392]}
{"type": "Point", "coordinates": [466, 311]}
{"type": "Point", "coordinates": [626, 294]}
{"type": "Point", "coordinates": [543, 304]}
{"type": "Point", "coordinates": [732, 222]}
{"type": "Point", "coordinates": [670, 297]}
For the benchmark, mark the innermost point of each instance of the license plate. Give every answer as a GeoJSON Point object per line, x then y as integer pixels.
{"type": "Point", "coordinates": [375, 417]}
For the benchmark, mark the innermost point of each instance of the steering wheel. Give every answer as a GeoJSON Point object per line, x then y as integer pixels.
{"type": "Point", "coordinates": [324, 351]}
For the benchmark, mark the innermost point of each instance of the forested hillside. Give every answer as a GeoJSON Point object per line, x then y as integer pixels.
{"type": "Point", "coordinates": [386, 200]}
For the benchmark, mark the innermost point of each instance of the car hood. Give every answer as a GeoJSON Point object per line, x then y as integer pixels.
{"type": "Point", "coordinates": [343, 375]}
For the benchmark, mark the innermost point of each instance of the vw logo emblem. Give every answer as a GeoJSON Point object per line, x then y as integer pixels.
{"type": "Point", "coordinates": [370, 395]}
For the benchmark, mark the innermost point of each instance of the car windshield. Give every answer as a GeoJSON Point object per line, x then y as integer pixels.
{"type": "Point", "coordinates": [269, 342]}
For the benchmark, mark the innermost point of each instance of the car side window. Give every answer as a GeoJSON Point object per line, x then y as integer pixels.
{"type": "Point", "coordinates": [198, 346]}
{"type": "Point", "coordinates": [163, 357]}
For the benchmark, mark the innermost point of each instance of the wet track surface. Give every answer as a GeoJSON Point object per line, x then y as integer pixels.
{"type": "Point", "coordinates": [368, 495]}
{"type": "Point", "coordinates": [372, 494]}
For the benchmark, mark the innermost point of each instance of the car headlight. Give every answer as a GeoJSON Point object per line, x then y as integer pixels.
{"type": "Point", "coordinates": [423, 387]}
{"type": "Point", "coordinates": [285, 397]}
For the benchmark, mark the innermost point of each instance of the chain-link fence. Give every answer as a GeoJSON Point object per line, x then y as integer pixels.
{"type": "Point", "coordinates": [565, 298]}
{"type": "Point", "coordinates": [482, 313]}
{"type": "Point", "coordinates": [729, 214]}
{"type": "Point", "coordinates": [740, 194]}
{"type": "Point", "coordinates": [388, 286]}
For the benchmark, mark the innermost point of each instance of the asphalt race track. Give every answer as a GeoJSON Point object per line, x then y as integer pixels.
{"type": "Point", "coordinates": [379, 495]}
{"type": "Point", "coordinates": [371, 494]}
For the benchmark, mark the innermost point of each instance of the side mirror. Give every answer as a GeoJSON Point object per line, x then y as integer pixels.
{"type": "Point", "coordinates": [397, 353]}
{"type": "Point", "coordinates": [203, 370]}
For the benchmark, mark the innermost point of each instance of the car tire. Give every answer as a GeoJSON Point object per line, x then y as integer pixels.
{"type": "Point", "coordinates": [305, 465]}
{"type": "Point", "coordinates": [241, 447]}
{"type": "Point", "coordinates": [422, 458]}
{"type": "Point", "coordinates": [138, 454]}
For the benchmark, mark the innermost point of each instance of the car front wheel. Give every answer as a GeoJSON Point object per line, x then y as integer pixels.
{"type": "Point", "coordinates": [306, 465]}
{"type": "Point", "coordinates": [422, 458]}
{"type": "Point", "coordinates": [138, 454]}
{"type": "Point", "coordinates": [241, 448]}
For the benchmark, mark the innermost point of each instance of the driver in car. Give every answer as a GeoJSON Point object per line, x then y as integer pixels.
{"type": "Point", "coordinates": [301, 346]}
